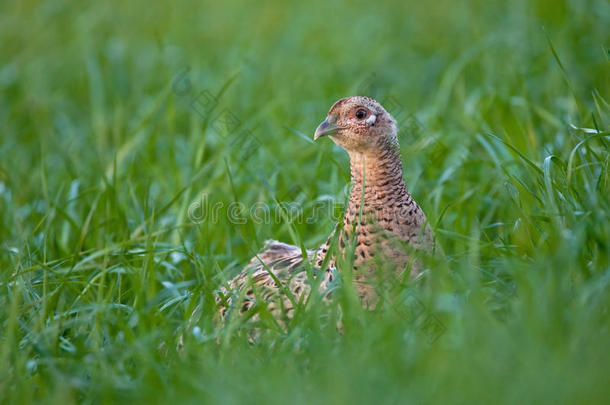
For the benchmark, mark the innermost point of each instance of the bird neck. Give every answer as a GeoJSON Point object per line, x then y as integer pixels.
{"type": "Point", "coordinates": [379, 174]}
{"type": "Point", "coordinates": [378, 191]}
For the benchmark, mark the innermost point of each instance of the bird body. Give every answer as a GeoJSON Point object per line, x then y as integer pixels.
{"type": "Point", "coordinates": [381, 222]}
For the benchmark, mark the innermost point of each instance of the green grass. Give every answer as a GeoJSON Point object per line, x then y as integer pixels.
{"type": "Point", "coordinates": [504, 142]}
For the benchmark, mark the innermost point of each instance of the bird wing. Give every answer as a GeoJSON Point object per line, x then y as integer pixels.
{"type": "Point", "coordinates": [277, 271]}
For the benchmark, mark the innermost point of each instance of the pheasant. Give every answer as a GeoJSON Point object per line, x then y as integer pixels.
{"type": "Point", "coordinates": [381, 224]}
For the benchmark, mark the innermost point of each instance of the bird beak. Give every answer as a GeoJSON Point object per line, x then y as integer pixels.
{"type": "Point", "coordinates": [326, 128]}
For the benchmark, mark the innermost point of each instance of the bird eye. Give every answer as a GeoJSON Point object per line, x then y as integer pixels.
{"type": "Point", "coordinates": [360, 114]}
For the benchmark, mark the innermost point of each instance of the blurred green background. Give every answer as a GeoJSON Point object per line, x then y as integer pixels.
{"type": "Point", "coordinates": [104, 147]}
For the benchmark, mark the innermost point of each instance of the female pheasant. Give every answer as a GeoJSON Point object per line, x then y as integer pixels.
{"type": "Point", "coordinates": [381, 224]}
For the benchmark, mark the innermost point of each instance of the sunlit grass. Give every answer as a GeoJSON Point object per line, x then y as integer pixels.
{"type": "Point", "coordinates": [104, 147]}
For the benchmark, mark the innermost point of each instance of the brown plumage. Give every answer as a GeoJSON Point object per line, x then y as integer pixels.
{"type": "Point", "coordinates": [381, 225]}
{"type": "Point", "coordinates": [381, 221]}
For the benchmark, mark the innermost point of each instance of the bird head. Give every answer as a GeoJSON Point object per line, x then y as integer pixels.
{"type": "Point", "coordinates": [359, 124]}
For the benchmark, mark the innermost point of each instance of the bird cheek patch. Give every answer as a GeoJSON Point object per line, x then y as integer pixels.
{"type": "Point", "coordinates": [371, 120]}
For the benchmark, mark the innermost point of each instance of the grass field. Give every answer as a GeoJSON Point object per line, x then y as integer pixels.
{"type": "Point", "coordinates": [123, 123]}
